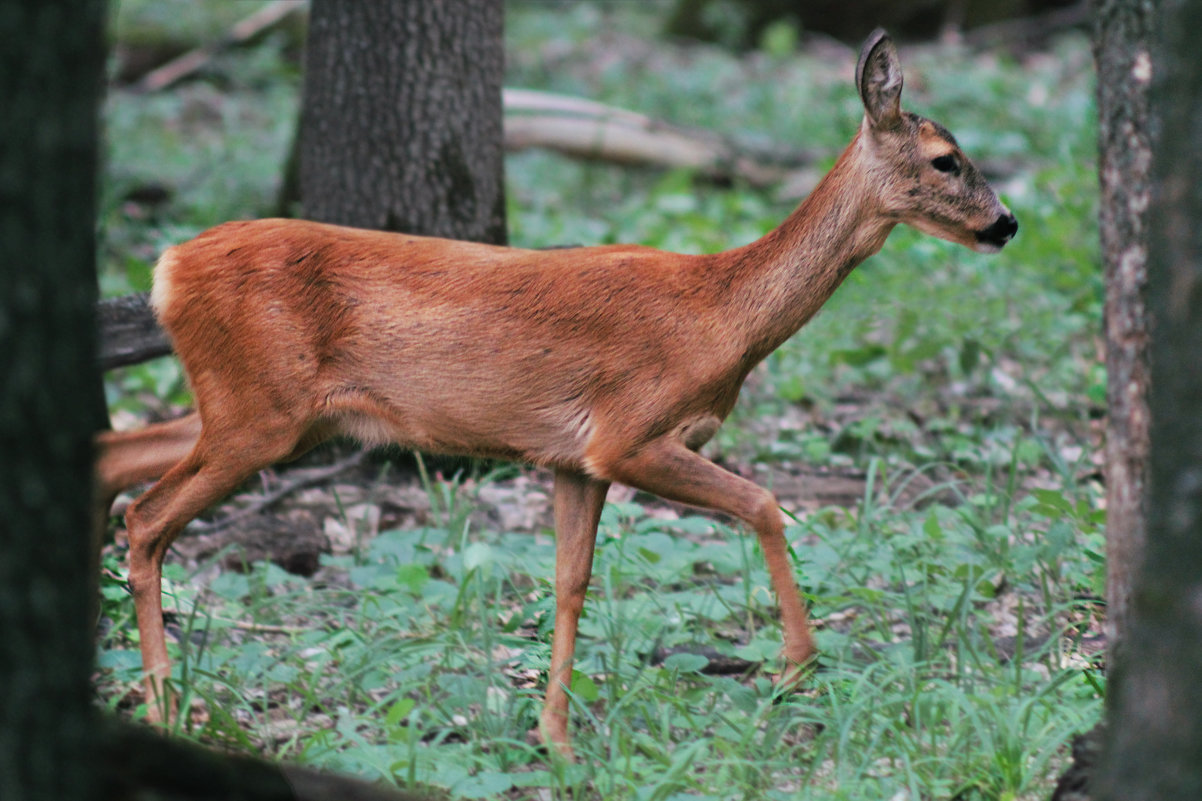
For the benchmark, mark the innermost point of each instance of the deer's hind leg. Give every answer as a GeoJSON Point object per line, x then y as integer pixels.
{"type": "Point", "coordinates": [214, 468]}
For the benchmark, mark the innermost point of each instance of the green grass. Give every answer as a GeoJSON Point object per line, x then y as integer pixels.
{"type": "Point", "coordinates": [420, 657]}
{"type": "Point", "coordinates": [419, 664]}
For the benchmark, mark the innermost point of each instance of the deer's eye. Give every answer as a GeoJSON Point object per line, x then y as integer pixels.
{"type": "Point", "coordinates": [946, 163]}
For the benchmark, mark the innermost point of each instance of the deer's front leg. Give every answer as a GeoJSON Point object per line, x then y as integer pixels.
{"type": "Point", "coordinates": [578, 502]}
{"type": "Point", "coordinates": [670, 470]}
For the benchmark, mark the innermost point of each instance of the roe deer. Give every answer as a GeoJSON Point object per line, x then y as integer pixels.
{"type": "Point", "coordinates": [612, 363]}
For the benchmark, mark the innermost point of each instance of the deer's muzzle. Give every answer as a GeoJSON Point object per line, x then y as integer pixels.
{"type": "Point", "coordinates": [997, 235]}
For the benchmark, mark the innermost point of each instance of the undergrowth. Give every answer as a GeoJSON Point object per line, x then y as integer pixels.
{"type": "Point", "coordinates": [420, 660]}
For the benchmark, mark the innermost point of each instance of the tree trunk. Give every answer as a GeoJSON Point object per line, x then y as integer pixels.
{"type": "Point", "coordinates": [1121, 51]}
{"type": "Point", "coordinates": [1155, 698]}
{"type": "Point", "coordinates": [401, 117]}
{"type": "Point", "coordinates": [1122, 39]}
{"type": "Point", "coordinates": [52, 743]}
{"type": "Point", "coordinates": [51, 65]}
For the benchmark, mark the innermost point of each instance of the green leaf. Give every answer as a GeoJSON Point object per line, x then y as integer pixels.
{"type": "Point", "coordinates": [231, 586]}
{"type": "Point", "coordinates": [373, 576]}
{"type": "Point", "coordinates": [485, 784]}
{"type": "Point", "coordinates": [478, 555]}
{"type": "Point", "coordinates": [114, 592]}
{"type": "Point", "coordinates": [779, 39]}
{"type": "Point", "coordinates": [119, 659]}
{"type": "Point", "coordinates": [651, 556]}
{"type": "Point", "coordinates": [584, 688]}
{"type": "Point", "coordinates": [399, 710]}
{"type": "Point", "coordinates": [932, 528]}
{"type": "Point", "coordinates": [413, 577]}
{"type": "Point", "coordinates": [858, 357]}
{"type": "Point", "coordinates": [686, 663]}
{"type": "Point", "coordinates": [1052, 503]}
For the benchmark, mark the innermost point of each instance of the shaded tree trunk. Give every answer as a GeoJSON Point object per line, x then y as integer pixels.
{"type": "Point", "coordinates": [1155, 698]}
{"type": "Point", "coordinates": [52, 743]}
{"type": "Point", "coordinates": [401, 117]}
{"type": "Point", "coordinates": [1121, 50]}
{"type": "Point", "coordinates": [1122, 44]}
{"type": "Point", "coordinates": [51, 66]}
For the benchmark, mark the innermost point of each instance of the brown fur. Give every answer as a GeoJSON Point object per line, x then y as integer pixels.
{"type": "Point", "coordinates": [602, 363]}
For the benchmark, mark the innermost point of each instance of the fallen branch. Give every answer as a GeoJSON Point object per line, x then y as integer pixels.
{"type": "Point", "coordinates": [595, 131]}
{"type": "Point", "coordinates": [234, 623]}
{"type": "Point", "coordinates": [179, 68]}
{"type": "Point", "coordinates": [278, 494]}
{"type": "Point", "coordinates": [129, 333]}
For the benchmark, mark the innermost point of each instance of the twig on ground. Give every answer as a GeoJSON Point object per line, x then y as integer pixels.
{"type": "Point", "coordinates": [276, 495]}
{"type": "Point", "coordinates": [179, 68]}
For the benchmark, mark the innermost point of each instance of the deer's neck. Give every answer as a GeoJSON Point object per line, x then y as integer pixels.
{"type": "Point", "coordinates": [782, 279]}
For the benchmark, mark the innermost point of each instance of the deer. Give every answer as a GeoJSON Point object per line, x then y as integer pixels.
{"type": "Point", "coordinates": [603, 364]}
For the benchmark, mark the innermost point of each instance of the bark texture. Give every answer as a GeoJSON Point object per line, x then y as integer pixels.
{"type": "Point", "coordinates": [1155, 696]}
{"type": "Point", "coordinates": [401, 117]}
{"type": "Point", "coordinates": [1122, 38]}
{"type": "Point", "coordinates": [1123, 45]}
{"type": "Point", "coordinates": [51, 66]}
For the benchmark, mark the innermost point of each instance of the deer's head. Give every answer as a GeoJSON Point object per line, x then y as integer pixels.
{"type": "Point", "coordinates": [919, 173]}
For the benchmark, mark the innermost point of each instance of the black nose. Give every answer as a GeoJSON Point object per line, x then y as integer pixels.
{"type": "Point", "coordinates": [1002, 231]}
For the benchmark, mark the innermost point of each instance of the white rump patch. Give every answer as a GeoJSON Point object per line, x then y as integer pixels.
{"type": "Point", "coordinates": [161, 289]}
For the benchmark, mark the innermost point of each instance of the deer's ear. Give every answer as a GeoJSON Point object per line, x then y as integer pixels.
{"type": "Point", "coordinates": [879, 80]}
